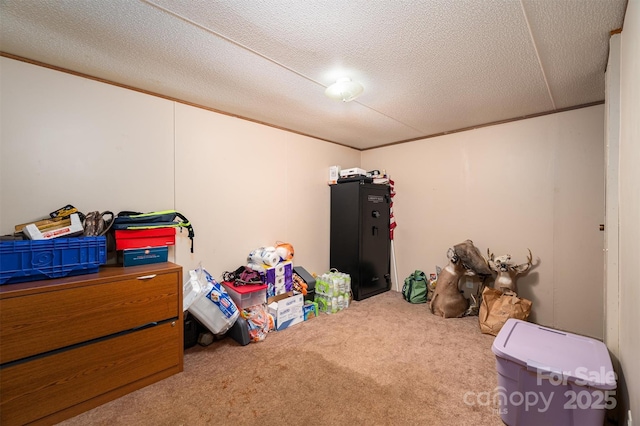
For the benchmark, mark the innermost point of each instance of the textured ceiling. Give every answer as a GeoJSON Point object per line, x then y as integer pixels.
{"type": "Point", "coordinates": [427, 66]}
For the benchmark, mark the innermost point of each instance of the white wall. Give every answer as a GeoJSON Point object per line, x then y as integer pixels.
{"type": "Point", "coordinates": [612, 165]}
{"type": "Point", "coordinates": [535, 183]}
{"type": "Point", "coordinates": [71, 140]}
{"type": "Point", "coordinates": [245, 185]}
{"type": "Point", "coordinates": [629, 208]}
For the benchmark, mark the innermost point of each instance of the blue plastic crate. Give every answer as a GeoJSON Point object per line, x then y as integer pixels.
{"type": "Point", "coordinates": [42, 259]}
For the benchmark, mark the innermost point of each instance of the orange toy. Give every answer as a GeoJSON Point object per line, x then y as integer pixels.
{"type": "Point", "coordinates": [284, 250]}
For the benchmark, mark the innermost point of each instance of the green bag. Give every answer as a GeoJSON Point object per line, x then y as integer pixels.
{"type": "Point", "coordinates": [414, 289]}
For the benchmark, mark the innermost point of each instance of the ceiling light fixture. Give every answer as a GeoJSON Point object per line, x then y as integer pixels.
{"type": "Point", "coordinates": [344, 90]}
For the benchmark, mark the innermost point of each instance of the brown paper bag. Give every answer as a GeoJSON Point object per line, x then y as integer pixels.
{"type": "Point", "coordinates": [498, 307]}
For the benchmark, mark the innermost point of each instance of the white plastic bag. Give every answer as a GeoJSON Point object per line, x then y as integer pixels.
{"type": "Point", "coordinates": [209, 302]}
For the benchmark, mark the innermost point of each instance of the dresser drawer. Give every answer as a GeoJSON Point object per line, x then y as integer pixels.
{"type": "Point", "coordinates": [103, 370]}
{"type": "Point", "coordinates": [36, 323]}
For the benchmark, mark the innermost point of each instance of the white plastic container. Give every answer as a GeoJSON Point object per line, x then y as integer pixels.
{"type": "Point", "coordinates": [209, 302]}
{"type": "Point", "coordinates": [247, 295]}
{"type": "Point", "coordinates": [550, 377]}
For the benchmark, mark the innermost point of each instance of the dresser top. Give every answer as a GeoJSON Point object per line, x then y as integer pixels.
{"type": "Point", "coordinates": [105, 274]}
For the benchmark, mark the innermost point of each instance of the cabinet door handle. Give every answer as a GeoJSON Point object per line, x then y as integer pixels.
{"type": "Point", "coordinates": [374, 230]}
{"type": "Point", "coordinates": [147, 277]}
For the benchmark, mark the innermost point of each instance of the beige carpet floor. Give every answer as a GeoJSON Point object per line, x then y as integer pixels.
{"type": "Point", "coordinates": [382, 361]}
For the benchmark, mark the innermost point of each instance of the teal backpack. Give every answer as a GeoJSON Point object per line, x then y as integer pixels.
{"type": "Point", "coordinates": [414, 289]}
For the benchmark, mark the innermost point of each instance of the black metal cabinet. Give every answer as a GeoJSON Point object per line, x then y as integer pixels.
{"type": "Point", "coordinates": [360, 244]}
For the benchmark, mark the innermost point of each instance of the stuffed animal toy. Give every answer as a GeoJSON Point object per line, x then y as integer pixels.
{"type": "Point", "coordinates": [284, 250]}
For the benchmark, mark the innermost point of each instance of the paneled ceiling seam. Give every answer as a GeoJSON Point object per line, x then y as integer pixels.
{"type": "Point", "coordinates": [535, 48]}
{"type": "Point", "coordinates": [209, 30]}
{"type": "Point", "coordinates": [242, 46]}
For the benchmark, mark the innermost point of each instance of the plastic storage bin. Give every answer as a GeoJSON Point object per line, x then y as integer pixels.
{"type": "Point", "coordinates": [245, 296]}
{"type": "Point", "coordinates": [31, 260]}
{"type": "Point", "coordinates": [550, 377]}
{"type": "Point", "coordinates": [140, 238]}
{"type": "Point", "coordinates": [145, 256]}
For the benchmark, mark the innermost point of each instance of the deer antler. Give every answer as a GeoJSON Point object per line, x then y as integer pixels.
{"type": "Point", "coordinates": [521, 269]}
{"type": "Point", "coordinates": [490, 261]}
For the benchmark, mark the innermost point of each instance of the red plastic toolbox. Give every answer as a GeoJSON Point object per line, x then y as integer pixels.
{"type": "Point", "coordinates": [139, 238]}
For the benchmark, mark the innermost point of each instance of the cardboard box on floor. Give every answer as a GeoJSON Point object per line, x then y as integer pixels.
{"type": "Point", "coordinates": [286, 309]}
{"type": "Point", "coordinates": [309, 310]}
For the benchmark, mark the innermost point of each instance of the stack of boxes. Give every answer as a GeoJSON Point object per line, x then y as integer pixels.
{"type": "Point", "coordinates": [278, 278]}
{"type": "Point", "coordinates": [286, 307]}
{"type": "Point", "coordinates": [143, 246]}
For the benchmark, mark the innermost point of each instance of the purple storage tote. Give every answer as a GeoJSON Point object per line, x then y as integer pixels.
{"type": "Point", "coordinates": [551, 377]}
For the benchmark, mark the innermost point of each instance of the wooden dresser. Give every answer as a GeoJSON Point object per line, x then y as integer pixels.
{"type": "Point", "coordinates": [70, 344]}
